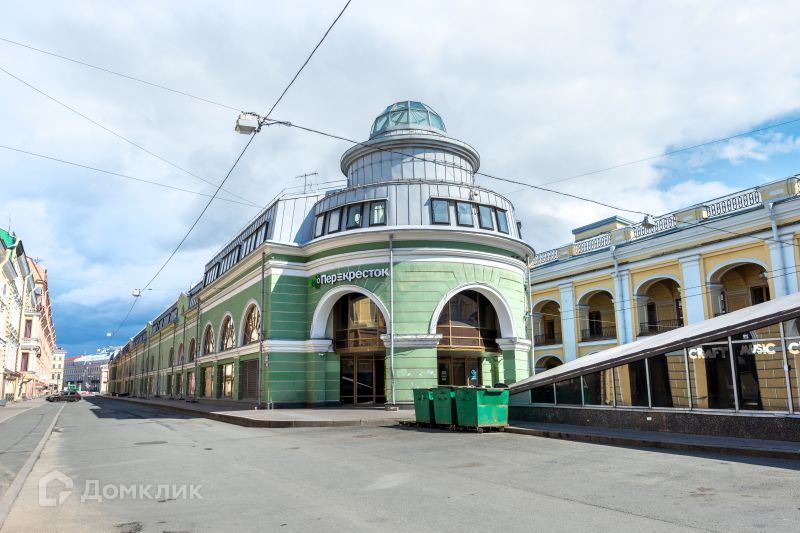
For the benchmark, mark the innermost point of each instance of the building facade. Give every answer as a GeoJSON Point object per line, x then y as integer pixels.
{"type": "Point", "coordinates": [622, 281]}
{"type": "Point", "coordinates": [21, 302]}
{"type": "Point", "coordinates": [409, 276]}
{"type": "Point", "coordinates": [57, 370]}
{"type": "Point", "coordinates": [86, 373]}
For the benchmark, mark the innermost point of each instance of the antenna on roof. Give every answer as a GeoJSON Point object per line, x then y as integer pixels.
{"type": "Point", "coordinates": [305, 180]}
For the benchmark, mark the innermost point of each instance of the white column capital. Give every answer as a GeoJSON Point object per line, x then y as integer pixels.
{"type": "Point", "coordinates": [514, 343]}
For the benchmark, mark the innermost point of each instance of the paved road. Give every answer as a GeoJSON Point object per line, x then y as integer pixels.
{"type": "Point", "coordinates": [21, 429]}
{"type": "Point", "coordinates": [386, 479]}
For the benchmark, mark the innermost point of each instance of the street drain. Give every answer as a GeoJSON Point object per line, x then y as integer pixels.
{"type": "Point", "coordinates": [150, 442]}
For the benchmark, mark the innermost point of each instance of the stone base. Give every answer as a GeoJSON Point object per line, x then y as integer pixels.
{"type": "Point", "coordinates": [759, 426]}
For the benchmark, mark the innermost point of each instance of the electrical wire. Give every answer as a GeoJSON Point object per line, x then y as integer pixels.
{"type": "Point", "coordinates": [549, 182]}
{"type": "Point", "coordinates": [112, 173]}
{"type": "Point", "coordinates": [262, 122]}
{"type": "Point", "coordinates": [118, 135]}
{"type": "Point", "coordinates": [120, 74]}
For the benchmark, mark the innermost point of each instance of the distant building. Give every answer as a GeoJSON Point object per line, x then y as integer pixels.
{"type": "Point", "coordinates": [57, 369]}
{"type": "Point", "coordinates": [86, 372]}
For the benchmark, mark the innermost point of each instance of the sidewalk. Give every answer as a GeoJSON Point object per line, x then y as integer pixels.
{"type": "Point", "coordinates": [776, 449]}
{"type": "Point", "coordinates": [12, 409]}
{"type": "Point", "coordinates": [243, 414]}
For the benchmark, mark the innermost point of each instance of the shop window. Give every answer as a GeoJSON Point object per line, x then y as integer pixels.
{"type": "Point", "coordinates": [208, 340]}
{"type": "Point", "coordinates": [334, 220]}
{"type": "Point", "coordinates": [227, 338]}
{"type": "Point", "coordinates": [251, 325]}
{"type": "Point", "coordinates": [760, 378]}
{"type": "Point", "coordinates": [793, 359]}
{"type": "Point", "coordinates": [227, 380]}
{"type": "Point", "coordinates": [468, 322]}
{"type": "Point", "coordinates": [630, 385]}
{"type": "Point", "coordinates": [377, 213]}
{"type": "Point", "coordinates": [485, 217]}
{"type": "Point", "coordinates": [319, 225]}
{"type": "Point", "coordinates": [668, 380]}
{"type": "Point", "coordinates": [464, 211]}
{"type": "Point", "coordinates": [568, 392]}
{"type": "Point", "coordinates": [354, 213]}
{"type": "Point", "coordinates": [545, 394]}
{"type": "Point", "coordinates": [358, 324]}
{"type": "Point", "coordinates": [440, 211]}
{"type": "Point", "coordinates": [192, 350]}
{"type": "Point", "coordinates": [598, 388]}
{"type": "Point", "coordinates": [502, 221]}
{"type": "Point", "coordinates": [710, 377]}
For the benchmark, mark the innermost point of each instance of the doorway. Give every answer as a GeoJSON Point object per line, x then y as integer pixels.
{"type": "Point", "coordinates": [459, 370]}
{"type": "Point", "coordinates": [362, 379]}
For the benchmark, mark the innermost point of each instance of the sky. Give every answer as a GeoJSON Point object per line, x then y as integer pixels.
{"type": "Point", "coordinates": [543, 90]}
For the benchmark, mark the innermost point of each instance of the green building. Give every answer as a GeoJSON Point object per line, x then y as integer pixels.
{"type": "Point", "coordinates": [410, 276]}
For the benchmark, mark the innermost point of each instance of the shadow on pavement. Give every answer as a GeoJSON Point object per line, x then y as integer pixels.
{"type": "Point", "coordinates": [108, 408]}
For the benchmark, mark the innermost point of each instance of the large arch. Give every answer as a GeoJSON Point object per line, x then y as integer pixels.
{"type": "Point", "coordinates": [658, 304]}
{"type": "Point", "coordinates": [716, 275]}
{"type": "Point", "coordinates": [548, 361]}
{"type": "Point", "coordinates": [597, 314]}
{"type": "Point", "coordinates": [501, 307]}
{"type": "Point", "coordinates": [243, 319]}
{"type": "Point", "coordinates": [319, 321]}
{"type": "Point", "coordinates": [547, 322]}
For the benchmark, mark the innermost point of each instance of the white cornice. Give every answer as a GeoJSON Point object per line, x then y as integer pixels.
{"type": "Point", "coordinates": [412, 340]}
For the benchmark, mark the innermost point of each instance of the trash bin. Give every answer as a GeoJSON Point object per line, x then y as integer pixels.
{"type": "Point", "coordinates": [482, 408]}
{"type": "Point", "coordinates": [423, 406]}
{"type": "Point", "coordinates": [444, 406]}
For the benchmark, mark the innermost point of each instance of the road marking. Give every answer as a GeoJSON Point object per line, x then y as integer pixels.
{"type": "Point", "coordinates": [16, 486]}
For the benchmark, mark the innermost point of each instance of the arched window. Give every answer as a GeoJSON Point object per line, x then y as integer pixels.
{"type": "Point", "coordinates": [180, 354]}
{"type": "Point", "coordinates": [227, 339]}
{"type": "Point", "coordinates": [208, 340]}
{"type": "Point", "coordinates": [192, 350]}
{"type": "Point", "coordinates": [171, 356]}
{"type": "Point", "coordinates": [252, 323]}
{"type": "Point", "coordinates": [468, 322]}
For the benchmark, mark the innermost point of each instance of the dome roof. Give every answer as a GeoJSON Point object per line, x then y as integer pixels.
{"type": "Point", "coordinates": [407, 115]}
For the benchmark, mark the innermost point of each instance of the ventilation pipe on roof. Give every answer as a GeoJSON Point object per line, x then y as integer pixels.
{"type": "Point", "coordinates": [618, 299]}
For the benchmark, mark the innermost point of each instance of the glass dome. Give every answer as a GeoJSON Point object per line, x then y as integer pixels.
{"type": "Point", "coordinates": [407, 114]}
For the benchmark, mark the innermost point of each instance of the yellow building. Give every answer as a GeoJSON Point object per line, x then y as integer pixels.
{"type": "Point", "coordinates": [620, 280]}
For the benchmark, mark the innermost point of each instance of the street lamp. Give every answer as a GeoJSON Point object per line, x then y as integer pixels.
{"type": "Point", "coordinates": [247, 123]}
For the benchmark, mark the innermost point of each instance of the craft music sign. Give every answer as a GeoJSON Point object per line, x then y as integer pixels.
{"type": "Point", "coordinates": [329, 279]}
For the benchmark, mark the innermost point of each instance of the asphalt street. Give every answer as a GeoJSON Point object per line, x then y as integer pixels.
{"type": "Point", "coordinates": [210, 476]}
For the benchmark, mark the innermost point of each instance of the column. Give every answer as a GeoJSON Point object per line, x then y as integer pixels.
{"type": "Point", "coordinates": [784, 274]}
{"type": "Point", "coordinates": [415, 365]}
{"type": "Point", "coordinates": [516, 353]}
{"type": "Point", "coordinates": [623, 303]}
{"type": "Point", "coordinates": [692, 289]}
{"type": "Point", "coordinates": [568, 320]}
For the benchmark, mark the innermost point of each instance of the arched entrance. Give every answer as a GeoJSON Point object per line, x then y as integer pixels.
{"type": "Point", "coordinates": [737, 286]}
{"type": "Point", "coordinates": [598, 320]}
{"type": "Point", "coordinates": [547, 323]}
{"type": "Point", "coordinates": [356, 328]}
{"type": "Point", "coordinates": [659, 306]}
{"type": "Point", "coordinates": [469, 326]}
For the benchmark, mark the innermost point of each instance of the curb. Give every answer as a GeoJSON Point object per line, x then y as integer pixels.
{"type": "Point", "coordinates": [272, 424]}
{"type": "Point", "coordinates": [641, 442]}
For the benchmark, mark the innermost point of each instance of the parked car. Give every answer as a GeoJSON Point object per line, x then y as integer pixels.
{"type": "Point", "coordinates": [66, 396]}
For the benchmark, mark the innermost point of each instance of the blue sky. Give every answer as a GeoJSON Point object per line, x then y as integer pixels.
{"type": "Point", "coordinates": [543, 90]}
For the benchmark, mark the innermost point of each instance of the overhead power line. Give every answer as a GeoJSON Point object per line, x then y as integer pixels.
{"type": "Point", "coordinates": [120, 74]}
{"type": "Point", "coordinates": [118, 135]}
{"type": "Point", "coordinates": [262, 122]}
{"type": "Point", "coordinates": [550, 182]}
{"type": "Point", "coordinates": [112, 173]}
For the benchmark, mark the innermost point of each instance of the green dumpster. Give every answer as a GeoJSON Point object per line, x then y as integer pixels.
{"type": "Point", "coordinates": [444, 406]}
{"type": "Point", "coordinates": [482, 407]}
{"type": "Point", "coordinates": [423, 406]}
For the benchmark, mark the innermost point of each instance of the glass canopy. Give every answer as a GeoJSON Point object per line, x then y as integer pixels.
{"type": "Point", "coordinates": [407, 114]}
